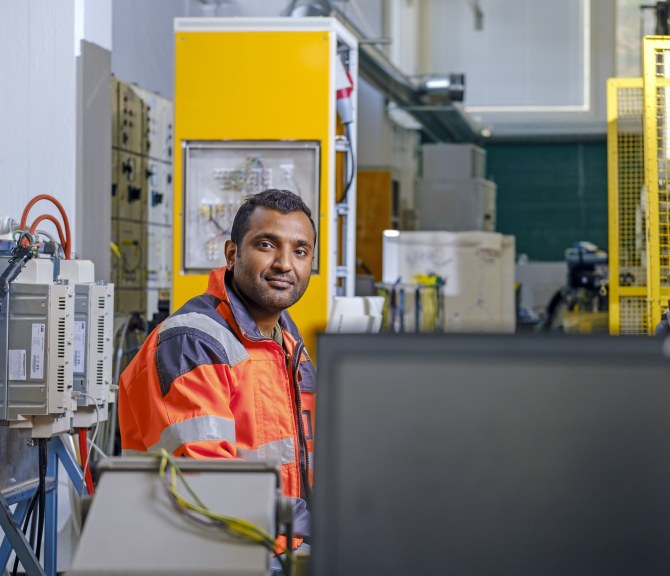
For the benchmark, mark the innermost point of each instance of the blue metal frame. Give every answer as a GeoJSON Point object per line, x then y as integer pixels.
{"type": "Point", "coordinates": [11, 523]}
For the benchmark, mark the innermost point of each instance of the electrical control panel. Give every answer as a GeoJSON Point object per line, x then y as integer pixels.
{"type": "Point", "coordinates": [114, 97]}
{"type": "Point", "coordinates": [36, 322]}
{"type": "Point", "coordinates": [92, 341]}
{"type": "Point", "coordinates": [38, 350]}
{"type": "Point", "coordinates": [158, 125]}
{"type": "Point", "coordinates": [133, 249]}
{"type": "Point", "coordinates": [130, 125]}
{"type": "Point", "coordinates": [92, 351]}
{"type": "Point", "coordinates": [159, 190]}
{"type": "Point", "coordinates": [142, 199]}
{"type": "Point", "coordinates": [115, 186]}
{"type": "Point", "coordinates": [131, 187]}
{"type": "Point", "coordinates": [56, 332]}
{"type": "Point", "coordinates": [130, 267]}
{"type": "Point", "coordinates": [159, 257]}
{"type": "Point", "coordinates": [219, 175]}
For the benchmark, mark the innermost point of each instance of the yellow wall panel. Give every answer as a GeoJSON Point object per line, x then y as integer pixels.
{"type": "Point", "coordinates": [258, 85]}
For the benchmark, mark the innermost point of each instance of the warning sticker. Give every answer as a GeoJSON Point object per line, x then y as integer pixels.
{"type": "Point", "coordinates": [79, 345]}
{"type": "Point", "coordinates": [17, 364]}
{"type": "Point", "coordinates": [37, 352]}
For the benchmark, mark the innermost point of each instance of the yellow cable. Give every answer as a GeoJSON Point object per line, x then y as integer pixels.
{"type": "Point", "coordinates": [115, 249]}
{"type": "Point", "coordinates": [236, 526]}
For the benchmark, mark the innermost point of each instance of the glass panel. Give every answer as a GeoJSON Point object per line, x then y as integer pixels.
{"type": "Point", "coordinates": [219, 175]}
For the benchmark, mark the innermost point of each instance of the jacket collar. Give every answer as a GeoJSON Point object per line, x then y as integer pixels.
{"type": "Point", "coordinates": [220, 285]}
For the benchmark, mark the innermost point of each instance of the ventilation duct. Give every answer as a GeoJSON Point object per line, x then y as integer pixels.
{"type": "Point", "coordinates": [432, 101]}
{"type": "Point", "coordinates": [310, 8]}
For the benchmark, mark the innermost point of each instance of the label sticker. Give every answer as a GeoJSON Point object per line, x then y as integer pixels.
{"type": "Point", "coordinates": [79, 345]}
{"type": "Point", "coordinates": [17, 364]}
{"type": "Point", "coordinates": [37, 352]}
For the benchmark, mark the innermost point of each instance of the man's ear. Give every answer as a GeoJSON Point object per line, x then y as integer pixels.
{"type": "Point", "coordinates": [230, 251]}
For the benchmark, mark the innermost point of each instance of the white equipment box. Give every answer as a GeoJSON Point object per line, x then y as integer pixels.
{"type": "Point", "coordinates": [477, 269]}
{"type": "Point", "coordinates": [134, 528]}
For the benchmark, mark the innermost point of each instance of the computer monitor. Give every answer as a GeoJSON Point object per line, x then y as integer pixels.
{"type": "Point", "coordinates": [492, 454]}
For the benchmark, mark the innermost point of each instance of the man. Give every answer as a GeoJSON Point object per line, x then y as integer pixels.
{"type": "Point", "coordinates": [227, 375]}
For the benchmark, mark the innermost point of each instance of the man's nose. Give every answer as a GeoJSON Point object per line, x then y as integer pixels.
{"type": "Point", "coordinates": [283, 260]}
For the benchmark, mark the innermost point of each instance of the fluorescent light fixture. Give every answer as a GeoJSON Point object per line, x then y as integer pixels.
{"type": "Point", "coordinates": [437, 83]}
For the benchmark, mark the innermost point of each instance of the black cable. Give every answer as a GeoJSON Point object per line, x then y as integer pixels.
{"type": "Point", "coordinates": [43, 492]}
{"type": "Point", "coordinates": [30, 517]}
{"type": "Point", "coordinates": [302, 438]}
{"type": "Point", "coordinates": [284, 562]}
{"type": "Point", "coordinates": [33, 521]}
{"type": "Point", "coordinates": [347, 129]}
{"type": "Point", "coordinates": [20, 256]}
{"type": "Point", "coordinates": [286, 566]}
{"type": "Point", "coordinates": [26, 520]}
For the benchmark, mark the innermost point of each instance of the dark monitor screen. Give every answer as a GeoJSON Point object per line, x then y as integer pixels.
{"type": "Point", "coordinates": [483, 454]}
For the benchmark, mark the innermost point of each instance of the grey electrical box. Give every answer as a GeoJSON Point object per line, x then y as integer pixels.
{"type": "Point", "coordinates": [38, 351]}
{"type": "Point", "coordinates": [36, 321]}
{"type": "Point", "coordinates": [453, 161]}
{"type": "Point", "coordinates": [456, 205]}
{"type": "Point", "coordinates": [92, 350]}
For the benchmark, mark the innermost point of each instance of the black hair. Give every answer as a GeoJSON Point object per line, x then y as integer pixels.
{"type": "Point", "coordinates": [283, 201]}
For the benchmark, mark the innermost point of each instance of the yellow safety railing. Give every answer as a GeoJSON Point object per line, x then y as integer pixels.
{"type": "Point", "coordinates": [627, 246]}
{"type": "Point", "coordinates": [656, 87]}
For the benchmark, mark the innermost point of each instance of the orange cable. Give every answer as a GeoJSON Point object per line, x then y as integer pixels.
{"type": "Point", "coordinates": [24, 217]}
{"type": "Point", "coordinates": [51, 218]}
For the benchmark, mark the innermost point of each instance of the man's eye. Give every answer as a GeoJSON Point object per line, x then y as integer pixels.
{"type": "Point", "coordinates": [301, 252]}
{"type": "Point", "coordinates": [264, 244]}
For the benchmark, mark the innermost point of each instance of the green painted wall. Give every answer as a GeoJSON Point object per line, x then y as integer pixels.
{"type": "Point", "coordinates": [550, 195]}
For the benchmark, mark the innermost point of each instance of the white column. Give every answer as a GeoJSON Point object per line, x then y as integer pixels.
{"type": "Point", "coordinates": [39, 116]}
{"type": "Point", "coordinates": [37, 103]}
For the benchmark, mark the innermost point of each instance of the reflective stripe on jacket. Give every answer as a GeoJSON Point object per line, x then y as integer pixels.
{"type": "Point", "coordinates": [208, 383]}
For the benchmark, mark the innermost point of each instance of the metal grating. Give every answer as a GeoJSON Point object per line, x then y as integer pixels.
{"type": "Point", "coordinates": [656, 65]}
{"type": "Point", "coordinates": [627, 247]}
{"type": "Point", "coordinates": [633, 316]}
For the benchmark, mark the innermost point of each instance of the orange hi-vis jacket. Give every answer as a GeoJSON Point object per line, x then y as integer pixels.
{"type": "Point", "coordinates": [208, 383]}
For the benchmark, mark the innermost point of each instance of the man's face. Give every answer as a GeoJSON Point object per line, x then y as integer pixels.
{"type": "Point", "coordinates": [273, 262]}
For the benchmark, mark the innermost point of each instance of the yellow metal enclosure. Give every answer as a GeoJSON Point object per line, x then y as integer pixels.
{"type": "Point", "coordinates": [656, 79]}
{"type": "Point", "coordinates": [263, 80]}
{"type": "Point", "coordinates": [627, 243]}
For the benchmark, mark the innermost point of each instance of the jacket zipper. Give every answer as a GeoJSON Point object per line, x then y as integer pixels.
{"type": "Point", "coordinates": [304, 453]}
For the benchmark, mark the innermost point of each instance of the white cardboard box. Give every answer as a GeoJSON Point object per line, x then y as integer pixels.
{"type": "Point", "coordinates": [477, 268]}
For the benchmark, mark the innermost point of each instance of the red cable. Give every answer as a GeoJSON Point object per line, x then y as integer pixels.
{"type": "Point", "coordinates": [83, 452]}
{"type": "Point", "coordinates": [24, 217]}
